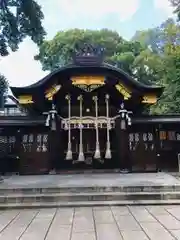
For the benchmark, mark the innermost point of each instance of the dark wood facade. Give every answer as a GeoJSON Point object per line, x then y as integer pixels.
{"type": "Point", "coordinates": [33, 149]}
{"type": "Point", "coordinates": [35, 139]}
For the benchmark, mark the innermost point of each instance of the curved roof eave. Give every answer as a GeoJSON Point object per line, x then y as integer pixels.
{"type": "Point", "coordinates": [104, 66]}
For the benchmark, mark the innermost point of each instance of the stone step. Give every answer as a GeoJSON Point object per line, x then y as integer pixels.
{"type": "Point", "coordinates": [87, 204]}
{"type": "Point", "coordinates": [91, 197]}
{"type": "Point", "coordinates": [91, 189]}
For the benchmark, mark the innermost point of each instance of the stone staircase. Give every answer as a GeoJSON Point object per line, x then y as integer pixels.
{"type": "Point", "coordinates": [30, 197]}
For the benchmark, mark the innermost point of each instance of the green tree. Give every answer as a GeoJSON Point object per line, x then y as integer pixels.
{"type": "Point", "coordinates": [3, 89]}
{"type": "Point", "coordinates": [125, 55]}
{"type": "Point", "coordinates": [170, 100]}
{"type": "Point", "coordinates": [154, 38]}
{"type": "Point", "coordinates": [176, 4]}
{"type": "Point", "coordinates": [141, 63]}
{"type": "Point", "coordinates": [124, 61]}
{"type": "Point", "coordinates": [148, 38]}
{"type": "Point", "coordinates": [58, 51]}
{"type": "Point", "coordinates": [148, 67]}
{"type": "Point", "coordinates": [130, 56]}
{"type": "Point", "coordinates": [160, 63]}
{"type": "Point", "coordinates": [18, 19]}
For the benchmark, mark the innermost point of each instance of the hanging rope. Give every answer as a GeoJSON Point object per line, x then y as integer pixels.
{"type": "Point", "coordinates": [108, 147]}
{"type": "Point", "coordinates": [51, 118]}
{"type": "Point", "coordinates": [69, 150]}
{"type": "Point", "coordinates": [97, 154]}
{"type": "Point", "coordinates": [53, 113]}
{"type": "Point", "coordinates": [81, 157]}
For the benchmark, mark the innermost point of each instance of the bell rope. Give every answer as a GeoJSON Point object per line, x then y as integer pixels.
{"type": "Point", "coordinates": [108, 146]}
{"type": "Point", "coordinates": [81, 157]}
{"type": "Point", "coordinates": [97, 154]}
{"type": "Point", "coordinates": [69, 150]}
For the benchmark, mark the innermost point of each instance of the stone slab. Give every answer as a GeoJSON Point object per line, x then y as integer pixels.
{"type": "Point", "coordinates": [6, 218]}
{"type": "Point", "coordinates": [159, 234]}
{"type": "Point", "coordinates": [83, 236]}
{"type": "Point", "coordinates": [176, 234]}
{"type": "Point", "coordinates": [83, 220]}
{"type": "Point", "coordinates": [103, 216]}
{"type": "Point", "coordinates": [19, 225]}
{"type": "Point", "coordinates": [127, 223]}
{"type": "Point", "coordinates": [58, 231]}
{"type": "Point", "coordinates": [142, 215]}
{"type": "Point", "coordinates": [120, 211]}
{"type": "Point", "coordinates": [90, 180]}
{"type": "Point", "coordinates": [134, 235]}
{"type": "Point", "coordinates": [40, 225]}
{"type": "Point", "coordinates": [108, 231]}
{"type": "Point", "coordinates": [169, 222]}
{"type": "Point", "coordinates": [81, 223]}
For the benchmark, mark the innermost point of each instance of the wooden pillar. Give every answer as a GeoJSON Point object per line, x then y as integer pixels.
{"type": "Point", "coordinates": [17, 149]}
{"type": "Point", "coordinates": [51, 147]}
{"type": "Point", "coordinates": [157, 147]}
{"type": "Point", "coordinates": [56, 149]}
{"type": "Point", "coordinates": [122, 146]}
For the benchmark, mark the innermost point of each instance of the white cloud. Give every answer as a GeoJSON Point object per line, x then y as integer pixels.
{"type": "Point", "coordinates": [165, 6]}
{"type": "Point", "coordinates": [20, 68]}
{"type": "Point", "coordinates": [98, 8]}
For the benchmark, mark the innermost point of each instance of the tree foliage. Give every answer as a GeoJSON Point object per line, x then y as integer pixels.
{"type": "Point", "coordinates": [170, 100]}
{"type": "Point", "coordinates": [176, 4]}
{"type": "Point", "coordinates": [127, 55]}
{"type": "Point", "coordinates": [18, 19]}
{"type": "Point", "coordinates": [3, 89]}
{"type": "Point", "coordinates": [154, 38]}
{"type": "Point", "coordinates": [3, 84]}
{"type": "Point", "coordinates": [163, 62]}
{"type": "Point", "coordinates": [148, 66]}
{"type": "Point", "coordinates": [152, 57]}
{"type": "Point", "coordinates": [58, 51]}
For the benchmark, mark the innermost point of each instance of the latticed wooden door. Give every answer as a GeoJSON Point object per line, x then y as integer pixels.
{"type": "Point", "coordinates": [8, 155]}
{"type": "Point", "coordinates": [34, 153]}
{"type": "Point", "coordinates": [142, 149]}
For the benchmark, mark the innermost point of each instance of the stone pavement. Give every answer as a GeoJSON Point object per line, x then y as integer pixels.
{"type": "Point", "coordinates": [97, 223]}
{"type": "Point", "coordinates": [90, 180]}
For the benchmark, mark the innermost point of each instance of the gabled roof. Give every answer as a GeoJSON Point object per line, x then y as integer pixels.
{"type": "Point", "coordinates": [103, 68]}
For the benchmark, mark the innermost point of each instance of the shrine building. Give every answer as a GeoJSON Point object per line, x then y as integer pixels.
{"type": "Point", "coordinates": [86, 115]}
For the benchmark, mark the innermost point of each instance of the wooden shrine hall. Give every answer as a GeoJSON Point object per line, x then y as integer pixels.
{"type": "Point", "coordinates": [86, 115]}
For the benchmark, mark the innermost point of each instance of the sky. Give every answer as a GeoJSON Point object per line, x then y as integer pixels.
{"type": "Point", "coordinates": [124, 16]}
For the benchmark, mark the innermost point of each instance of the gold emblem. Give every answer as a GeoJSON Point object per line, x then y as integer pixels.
{"type": "Point", "coordinates": [151, 99]}
{"type": "Point", "coordinates": [88, 83]}
{"type": "Point", "coordinates": [52, 91]}
{"type": "Point", "coordinates": [25, 99]}
{"type": "Point", "coordinates": [123, 90]}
